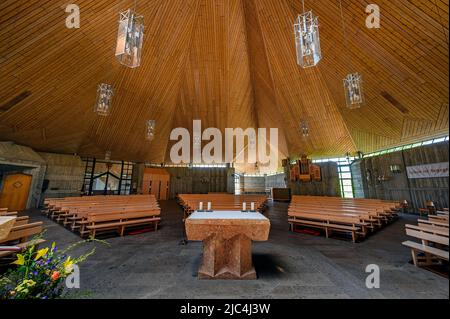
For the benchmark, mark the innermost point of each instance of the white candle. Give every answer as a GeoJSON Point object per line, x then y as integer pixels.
{"type": "Point", "coordinates": [244, 206]}
{"type": "Point", "coordinates": [209, 205]}
{"type": "Point", "coordinates": [200, 206]}
{"type": "Point", "coordinates": [252, 206]}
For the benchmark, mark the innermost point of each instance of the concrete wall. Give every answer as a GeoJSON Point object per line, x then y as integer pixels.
{"type": "Point", "coordinates": [329, 186]}
{"type": "Point", "coordinates": [253, 184]}
{"type": "Point", "coordinates": [276, 181]}
{"type": "Point", "coordinates": [17, 159]}
{"type": "Point", "coordinates": [196, 180]}
{"type": "Point", "coordinates": [357, 178]}
{"type": "Point", "coordinates": [65, 174]}
{"type": "Point", "coordinates": [398, 186]}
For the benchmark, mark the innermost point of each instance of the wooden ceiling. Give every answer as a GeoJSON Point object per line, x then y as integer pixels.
{"type": "Point", "coordinates": [230, 63]}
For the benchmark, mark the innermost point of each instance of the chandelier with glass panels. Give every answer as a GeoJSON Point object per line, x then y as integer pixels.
{"type": "Point", "coordinates": [354, 95]}
{"type": "Point", "coordinates": [130, 38]}
{"type": "Point", "coordinates": [307, 39]}
{"type": "Point", "coordinates": [353, 84]}
{"type": "Point", "coordinates": [304, 128]}
{"type": "Point", "coordinates": [104, 99]}
{"type": "Point", "coordinates": [150, 130]}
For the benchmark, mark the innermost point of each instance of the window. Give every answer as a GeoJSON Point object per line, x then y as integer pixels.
{"type": "Point", "coordinates": [408, 146]}
{"type": "Point", "coordinates": [345, 174]}
{"type": "Point", "coordinates": [237, 184]}
{"type": "Point", "coordinates": [345, 178]}
{"type": "Point", "coordinates": [107, 178]}
{"type": "Point", "coordinates": [439, 140]}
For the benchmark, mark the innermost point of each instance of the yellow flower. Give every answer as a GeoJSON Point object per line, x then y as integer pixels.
{"type": "Point", "coordinates": [23, 287]}
{"type": "Point", "coordinates": [20, 260]}
{"type": "Point", "coordinates": [68, 265]}
{"type": "Point", "coordinates": [40, 253]}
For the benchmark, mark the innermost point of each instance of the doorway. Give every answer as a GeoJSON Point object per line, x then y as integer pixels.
{"type": "Point", "coordinates": [15, 192]}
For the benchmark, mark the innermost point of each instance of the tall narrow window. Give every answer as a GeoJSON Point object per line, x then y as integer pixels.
{"type": "Point", "coordinates": [237, 184]}
{"type": "Point", "coordinates": [345, 178]}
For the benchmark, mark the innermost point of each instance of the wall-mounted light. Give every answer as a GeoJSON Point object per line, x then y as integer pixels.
{"type": "Point", "coordinates": [395, 169]}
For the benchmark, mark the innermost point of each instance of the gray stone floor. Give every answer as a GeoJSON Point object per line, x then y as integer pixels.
{"type": "Point", "coordinates": [289, 265]}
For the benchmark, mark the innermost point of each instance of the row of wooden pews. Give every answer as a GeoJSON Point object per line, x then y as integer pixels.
{"type": "Point", "coordinates": [222, 202]}
{"type": "Point", "coordinates": [433, 237]}
{"type": "Point", "coordinates": [92, 214]}
{"type": "Point", "coordinates": [357, 217]}
{"type": "Point", "coordinates": [20, 236]}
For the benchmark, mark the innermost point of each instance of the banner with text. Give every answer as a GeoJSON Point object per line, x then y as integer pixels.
{"type": "Point", "coordinates": [428, 170]}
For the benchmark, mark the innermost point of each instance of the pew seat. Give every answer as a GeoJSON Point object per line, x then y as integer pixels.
{"type": "Point", "coordinates": [100, 222]}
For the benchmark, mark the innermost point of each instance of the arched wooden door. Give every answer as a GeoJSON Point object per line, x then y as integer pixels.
{"type": "Point", "coordinates": [15, 191]}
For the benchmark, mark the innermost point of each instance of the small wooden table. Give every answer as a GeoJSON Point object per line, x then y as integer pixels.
{"type": "Point", "coordinates": [227, 242]}
{"type": "Point", "coordinates": [6, 224]}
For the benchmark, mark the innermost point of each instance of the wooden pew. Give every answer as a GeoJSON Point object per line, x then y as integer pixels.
{"type": "Point", "coordinates": [329, 223]}
{"type": "Point", "coordinates": [438, 218]}
{"type": "Point", "coordinates": [441, 231]}
{"type": "Point", "coordinates": [91, 214]}
{"type": "Point", "coordinates": [120, 220]}
{"type": "Point", "coordinates": [358, 215]}
{"type": "Point", "coordinates": [431, 253]}
{"type": "Point", "coordinates": [20, 234]}
{"type": "Point", "coordinates": [423, 222]}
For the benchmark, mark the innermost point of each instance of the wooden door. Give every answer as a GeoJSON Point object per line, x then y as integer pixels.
{"type": "Point", "coordinates": [164, 190]}
{"type": "Point", "coordinates": [155, 187]}
{"type": "Point", "coordinates": [15, 191]}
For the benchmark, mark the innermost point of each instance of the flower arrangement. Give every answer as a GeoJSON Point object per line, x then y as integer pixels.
{"type": "Point", "coordinates": [39, 274]}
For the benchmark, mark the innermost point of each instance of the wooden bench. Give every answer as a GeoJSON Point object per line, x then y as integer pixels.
{"type": "Point", "coordinates": [431, 253]}
{"type": "Point", "coordinates": [19, 236]}
{"type": "Point", "coordinates": [363, 214]}
{"type": "Point", "coordinates": [422, 222]}
{"type": "Point", "coordinates": [442, 231]}
{"type": "Point", "coordinates": [11, 250]}
{"type": "Point", "coordinates": [438, 218]}
{"type": "Point", "coordinates": [329, 223]}
{"type": "Point", "coordinates": [92, 213]}
{"type": "Point", "coordinates": [120, 220]}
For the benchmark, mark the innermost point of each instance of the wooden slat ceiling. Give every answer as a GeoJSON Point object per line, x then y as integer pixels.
{"type": "Point", "coordinates": [230, 63]}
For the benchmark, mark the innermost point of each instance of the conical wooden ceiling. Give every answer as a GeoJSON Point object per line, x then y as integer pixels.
{"type": "Point", "coordinates": [230, 63]}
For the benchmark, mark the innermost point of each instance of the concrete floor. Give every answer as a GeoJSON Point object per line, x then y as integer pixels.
{"type": "Point", "coordinates": [289, 265]}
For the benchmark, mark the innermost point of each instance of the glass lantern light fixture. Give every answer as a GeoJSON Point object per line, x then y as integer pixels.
{"type": "Point", "coordinates": [304, 128]}
{"type": "Point", "coordinates": [104, 99]}
{"type": "Point", "coordinates": [150, 130]}
{"type": "Point", "coordinates": [108, 156]}
{"type": "Point", "coordinates": [130, 38]}
{"type": "Point", "coordinates": [307, 40]}
{"type": "Point", "coordinates": [354, 95]}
